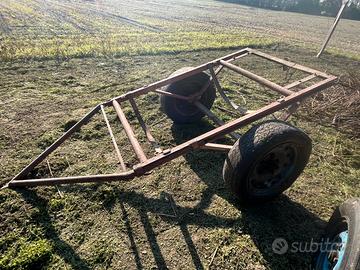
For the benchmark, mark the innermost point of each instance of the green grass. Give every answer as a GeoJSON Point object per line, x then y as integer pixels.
{"type": "Point", "coordinates": [119, 45]}
{"type": "Point", "coordinates": [120, 225]}
{"type": "Point", "coordinates": [58, 30]}
{"type": "Point", "coordinates": [56, 72]}
{"type": "Point", "coordinates": [27, 255]}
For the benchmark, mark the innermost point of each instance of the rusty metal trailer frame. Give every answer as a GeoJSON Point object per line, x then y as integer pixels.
{"type": "Point", "coordinates": [290, 99]}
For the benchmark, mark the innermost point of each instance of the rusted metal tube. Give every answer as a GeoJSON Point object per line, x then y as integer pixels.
{"type": "Point", "coordinates": [56, 144]}
{"type": "Point", "coordinates": [73, 179]}
{"type": "Point", "coordinates": [217, 147]}
{"type": "Point", "coordinates": [169, 95]}
{"type": "Point", "coordinates": [175, 78]}
{"type": "Point", "coordinates": [121, 160]}
{"type": "Point", "coordinates": [144, 127]}
{"type": "Point", "coordinates": [289, 64]}
{"type": "Point", "coordinates": [213, 117]}
{"type": "Point", "coordinates": [257, 78]}
{"type": "Point", "coordinates": [222, 93]}
{"type": "Point", "coordinates": [306, 79]}
{"type": "Point", "coordinates": [129, 132]}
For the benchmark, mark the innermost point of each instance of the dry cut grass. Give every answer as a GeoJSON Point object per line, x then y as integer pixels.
{"type": "Point", "coordinates": [340, 105]}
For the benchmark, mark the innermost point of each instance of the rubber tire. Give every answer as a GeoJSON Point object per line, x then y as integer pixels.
{"type": "Point", "coordinates": [180, 111]}
{"type": "Point", "coordinates": [253, 146]}
{"type": "Point", "coordinates": [347, 214]}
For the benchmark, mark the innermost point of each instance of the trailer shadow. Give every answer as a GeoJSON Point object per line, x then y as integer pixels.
{"type": "Point", "coordinates": [63, 249]}
{"type": "Point", "coordinates": [281, 218]}
{"type": "Point", "coordinates": [145, 205]}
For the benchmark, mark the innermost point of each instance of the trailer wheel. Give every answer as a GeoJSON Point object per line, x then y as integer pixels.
{"type": "Point", "coordinates": [181, 111]}
{"type": "Point", "coordinates": [266, 161]}
{"type": "Point", "coordinates": [341, 242]}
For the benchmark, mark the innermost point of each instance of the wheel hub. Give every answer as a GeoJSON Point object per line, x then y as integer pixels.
{"type": "Point", "coordinates": [273, 168]}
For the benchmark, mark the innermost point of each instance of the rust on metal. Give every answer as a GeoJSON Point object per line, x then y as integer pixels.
{"type": "Point", "coordinates": [169, 95]}
{"type": "Point", "coordinates": [213, 117]}
{"type": "Point", "coordinates": [129, 132]}
{"type": "Point", "coordinates": [203, 141]}
{"type": "Point", "coordinates": [144, 127]}
{"type": "Point", "coordinates": [306, 79]}
{"type": "Point", "coordinates": [119, 156]}
{"type": "Point", "coordinates": [56, 144]}
{"type": "Point", "coordinates": [257, 78]}
{"type": "Point", "coordinates": [216, 147]}
{"type": "Point", "coordinates": [73, 179]}
{"type": "Point", "coordinates": [288, 63]}
{"type": "Point", "coordinates": [222, 93]}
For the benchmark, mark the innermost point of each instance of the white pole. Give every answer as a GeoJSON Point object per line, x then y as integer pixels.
{"type": "Point", "coordinates": [332, 29]}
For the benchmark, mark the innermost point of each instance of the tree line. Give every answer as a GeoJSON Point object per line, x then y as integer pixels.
{"type": "Point", "coordinates": [314, 7]}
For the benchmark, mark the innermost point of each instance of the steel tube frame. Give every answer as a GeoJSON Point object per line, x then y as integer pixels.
{"type": "Point", "coordinates": [129, 132]}
{"type": "Point", "coordinates": [117, 150]}
{"type": "Point", "coordinates": [149, 136]}
{"type": "Point", "coordinates": [203, 141]}
{"type": "Point", "coordinates": [222, 93]}
{"type": "Point", "coordinates": [178, 77]}
{"type": "Point", "coordinates": [257, 78]}
{"type": "Point", "coordinates": [288, 63]}
{"type": "Point", "coordinates": [214, 118]}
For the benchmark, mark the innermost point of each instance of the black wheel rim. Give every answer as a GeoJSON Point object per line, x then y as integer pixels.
{"type": "Point", "coordinates": [270, 171]}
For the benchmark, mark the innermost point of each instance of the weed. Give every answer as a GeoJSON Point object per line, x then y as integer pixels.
{"type": "Point", "coordinates": [27, 255]}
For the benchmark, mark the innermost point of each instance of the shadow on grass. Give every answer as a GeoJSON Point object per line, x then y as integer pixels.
{"type": "Point", "coordinates": [63, 249]}
{"type": "Point", "coordinates": [280, 218]}
{"type": "Point", "coordinates": [153, 205]}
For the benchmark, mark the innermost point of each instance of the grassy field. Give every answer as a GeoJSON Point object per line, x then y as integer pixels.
{"type": "Point", "coordinates": [60, 29]}
{"type": "Point", "coordinates": [60, 58]}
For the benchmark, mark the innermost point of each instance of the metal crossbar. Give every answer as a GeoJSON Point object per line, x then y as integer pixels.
{"type": "Point", "coordinates": [204, 141]}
